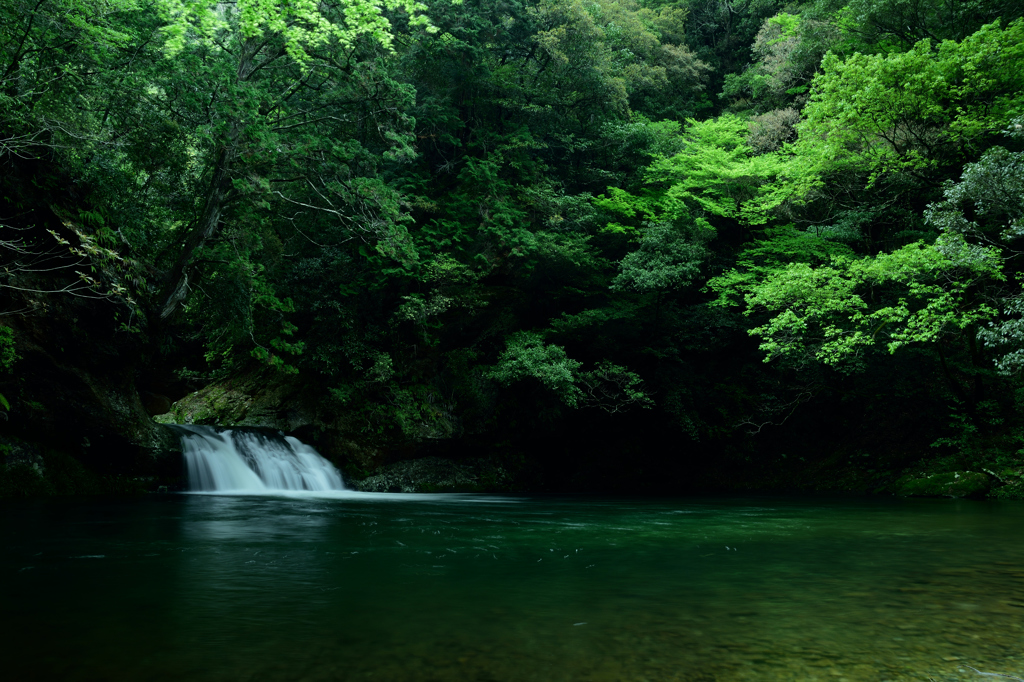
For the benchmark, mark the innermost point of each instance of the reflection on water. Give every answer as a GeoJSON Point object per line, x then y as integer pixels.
{"type": "Point", "coordinates": [363, 587]}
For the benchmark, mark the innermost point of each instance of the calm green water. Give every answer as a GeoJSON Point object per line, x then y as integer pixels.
{"type": "Point", "coordinates": [206, 588]}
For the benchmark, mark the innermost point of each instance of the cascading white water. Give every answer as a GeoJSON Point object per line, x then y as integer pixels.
{"type": "Point", "coordinates": [253, 462]}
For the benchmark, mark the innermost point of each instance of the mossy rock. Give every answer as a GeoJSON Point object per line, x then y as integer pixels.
{"type": "Point", "coordinates": [949, 484]}
{"type": "Point", "coordinates": [34, 470]}
{"type": "Point", "coordinates": [257, 397]}
{"type": "Point", "coordinates": [23, 480]}
{"type": "Point", "coordinates": [1012, 487]}
{"type": "Point", "coordinates": [437, 475]}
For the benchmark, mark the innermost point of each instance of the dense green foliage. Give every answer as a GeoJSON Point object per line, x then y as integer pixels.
{"type": "Point", "coordinates": [689, 231]}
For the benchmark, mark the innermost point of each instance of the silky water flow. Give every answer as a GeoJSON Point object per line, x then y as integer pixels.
{"type": "Point", "coordinates": [253, 462]}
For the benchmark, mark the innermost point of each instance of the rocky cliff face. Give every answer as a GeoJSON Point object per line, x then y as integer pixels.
{"type": "Point", "coordinates": [264, 398]}
{"type": "Point", "coordinates": [72, 390]}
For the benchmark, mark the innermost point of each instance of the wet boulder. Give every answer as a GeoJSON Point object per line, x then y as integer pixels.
{"type": "Point", "coordinates": [438, 475]}
{"type": "Point", "coordinates": [948, 484]}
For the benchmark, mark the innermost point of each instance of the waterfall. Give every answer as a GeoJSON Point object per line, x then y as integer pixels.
{"type": "Point", "coordinates": [253, 462]}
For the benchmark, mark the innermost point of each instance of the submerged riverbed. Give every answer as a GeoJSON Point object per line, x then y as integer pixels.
{"type": "Point", "coordinates": [475, 588]}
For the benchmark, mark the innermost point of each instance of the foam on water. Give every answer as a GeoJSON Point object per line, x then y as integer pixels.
{"type": "Point", "coordinates": [253, 462]}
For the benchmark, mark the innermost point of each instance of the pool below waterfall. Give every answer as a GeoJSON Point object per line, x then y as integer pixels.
{"type": "Point", "coordinates": [351, 586]}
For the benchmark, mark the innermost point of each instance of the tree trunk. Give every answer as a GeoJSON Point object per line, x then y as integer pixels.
{"type": "Point", "coordinates": [176, 281]}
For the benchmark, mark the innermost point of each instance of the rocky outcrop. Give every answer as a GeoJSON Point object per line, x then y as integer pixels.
{"type": "Point", "coordinates": [17, 454]}
{"type": "Point", "coordinates": [437, 475]}
{"type": "Point", "coordinates": [262, 397]}
{"type": "Point", "coordinates": [1010, 484]}
{"type": "Point", "coordinates": [72, 389]}
{"type": "Point", "coordinates": [950, 484]}
{"type": "Point", "coordinates": [154, 403]}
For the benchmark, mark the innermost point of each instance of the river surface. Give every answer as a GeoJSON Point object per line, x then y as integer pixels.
{"type": "Point", "coordinates": [478, 588]}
